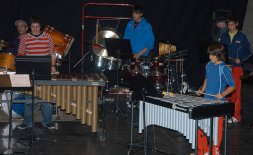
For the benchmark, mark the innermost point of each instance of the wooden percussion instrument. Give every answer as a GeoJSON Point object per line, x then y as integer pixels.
{"type": "Point", "coordinates": [77, 95]}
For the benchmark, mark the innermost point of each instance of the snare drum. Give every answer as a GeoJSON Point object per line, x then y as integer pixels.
{"type": "Point", "coordinates": [62, 42]}
{"type": "Point", "coordinates": [157, 66]}
{"type": "Point", "coordinates": [17, 108]}
{"type": "Point", "coordinates": [135, 68]}
{"type": "Point", "coordinates": [7, 61]}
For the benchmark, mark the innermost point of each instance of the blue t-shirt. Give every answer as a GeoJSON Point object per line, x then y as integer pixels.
{"type": "Point", "coordinates": [140, 37]}
{"type": "Point", "coordinates": [218, 77]}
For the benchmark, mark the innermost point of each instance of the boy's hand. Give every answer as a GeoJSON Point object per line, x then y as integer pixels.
{"type": "Point", "coordinates": [219, 96]}
{"type": "Point", "coordinates": [237, 61]}
{"type": "Point", "coordinates": [199, 92]}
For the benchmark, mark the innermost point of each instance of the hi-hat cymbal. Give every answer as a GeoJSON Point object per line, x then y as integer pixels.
{"type": "Point", "coordinates": [4, 44]}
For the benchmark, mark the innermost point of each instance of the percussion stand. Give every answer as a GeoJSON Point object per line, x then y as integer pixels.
{"type": "Point", "coordinates": [143, 145]}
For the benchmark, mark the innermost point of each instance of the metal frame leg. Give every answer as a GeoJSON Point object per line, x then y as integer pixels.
{"type": "Point", "coordinates": [225, 134]}
{"type": "Point", "coordinates": [131, 128]}
{"type": "Point", "coordinates": [196, 137]}
{"type": "Point", "coordinates": [211, 136]}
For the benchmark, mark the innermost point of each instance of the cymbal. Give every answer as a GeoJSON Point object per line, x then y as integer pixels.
{"type": "Point", "coordinates": [4, 44]}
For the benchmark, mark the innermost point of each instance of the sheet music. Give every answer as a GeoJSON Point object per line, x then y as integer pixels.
{"type": "Point", "coordinates": [20, 80]}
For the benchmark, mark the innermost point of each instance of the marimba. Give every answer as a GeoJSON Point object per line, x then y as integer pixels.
{"type": "Point", "coordinates": [75, 94]}
{"type": "Point", "coordinates": [185, 114]}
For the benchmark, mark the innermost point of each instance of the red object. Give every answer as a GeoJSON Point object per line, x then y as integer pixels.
{"type": "Point", "coordinates": [36, 46]}
{"type": "Point", "coordinates": [203, 144]}
{"type": "Point", "coordinates": [84, 16]}
{"type": "Point", "coordinates": [237, 73]}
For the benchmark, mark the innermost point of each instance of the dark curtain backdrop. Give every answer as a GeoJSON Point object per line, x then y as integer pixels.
{"type": "Point", "coordinates": [183, 22]}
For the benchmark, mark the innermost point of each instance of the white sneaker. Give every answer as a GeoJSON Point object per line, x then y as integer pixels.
{"type": "Point", "coordinates": [233, 120]}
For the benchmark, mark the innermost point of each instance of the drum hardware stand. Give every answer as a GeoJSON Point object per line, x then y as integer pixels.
{"type": "Point", "coordinates": [143, 145]}
{"type": "Point", "coordinates": [169, 70]}
{"type": "Point", "coordinates": [117, 85]}
{"type": "Point", "coordinates": [101, 131]}
{"type": "Point", "coordinates": [183, 75]}
{"type": "Point", "coordinates": [69, 56]}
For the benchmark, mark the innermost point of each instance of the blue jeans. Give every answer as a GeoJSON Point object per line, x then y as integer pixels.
{"type": "Point", "coordinates": [45, 107]}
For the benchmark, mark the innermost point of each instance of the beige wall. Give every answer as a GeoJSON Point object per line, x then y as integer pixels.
{"type": "Point", "coordinates": [248, 22]}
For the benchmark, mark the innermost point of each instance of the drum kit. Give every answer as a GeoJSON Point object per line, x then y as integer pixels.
{"type": "Point", "coordinates": [154, 70]}
{"type": "Point", "coordinates": [163, 71]}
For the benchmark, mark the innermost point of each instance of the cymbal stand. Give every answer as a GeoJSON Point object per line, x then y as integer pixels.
{"type": "Point", "coordinates": [183, 75]}
{"type": "Point", "coordinates": [169, 70]}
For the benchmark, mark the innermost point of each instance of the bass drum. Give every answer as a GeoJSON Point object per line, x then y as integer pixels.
{"type": "Point", "coordinates": [62, 42]}
{"type": "Point", "coordinates": [7, 61]}
{"type": "Point", "coordinates": [17, 108]}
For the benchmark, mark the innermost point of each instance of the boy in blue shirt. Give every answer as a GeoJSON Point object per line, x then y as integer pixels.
{"type": "Point", "coordinates": [140, 33]}
{"type": "Point", "coordinates": [239, 50]}
{"type": "Point", "coordinates": [219, 83]}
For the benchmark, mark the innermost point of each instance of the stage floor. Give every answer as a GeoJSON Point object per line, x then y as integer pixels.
{"type": "Point", "coordinates": [72, 138]}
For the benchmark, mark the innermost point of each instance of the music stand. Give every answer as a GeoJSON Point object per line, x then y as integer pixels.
{"type": "Point", "coordinates": [118, 48]}
{"type": "Point", "coordinates": [13, 82]}
{"type": "Point", "coordinates": [39, 68]}
{"type": "Point", "coordinates": [39, 65]}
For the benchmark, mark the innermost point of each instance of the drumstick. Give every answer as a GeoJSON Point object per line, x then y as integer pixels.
{"type": "Point", "coordinates": [206, 94]}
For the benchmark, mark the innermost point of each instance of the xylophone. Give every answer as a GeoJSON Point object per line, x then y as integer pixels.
{"type": "Point", "coordinates": [182, 113]}
{"type": "Point", "coordinates": [76, 94]}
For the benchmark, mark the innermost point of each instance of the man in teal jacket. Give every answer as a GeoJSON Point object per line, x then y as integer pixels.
{"type": "Point", "coordinates": [140, 33]}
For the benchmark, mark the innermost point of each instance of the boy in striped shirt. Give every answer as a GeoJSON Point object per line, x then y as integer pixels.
{"type": "Point", "coordinates": [37, 43]}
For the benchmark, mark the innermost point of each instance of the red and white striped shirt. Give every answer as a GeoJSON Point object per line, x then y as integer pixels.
{"type": "Point", "coordinates": [31, 45]}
